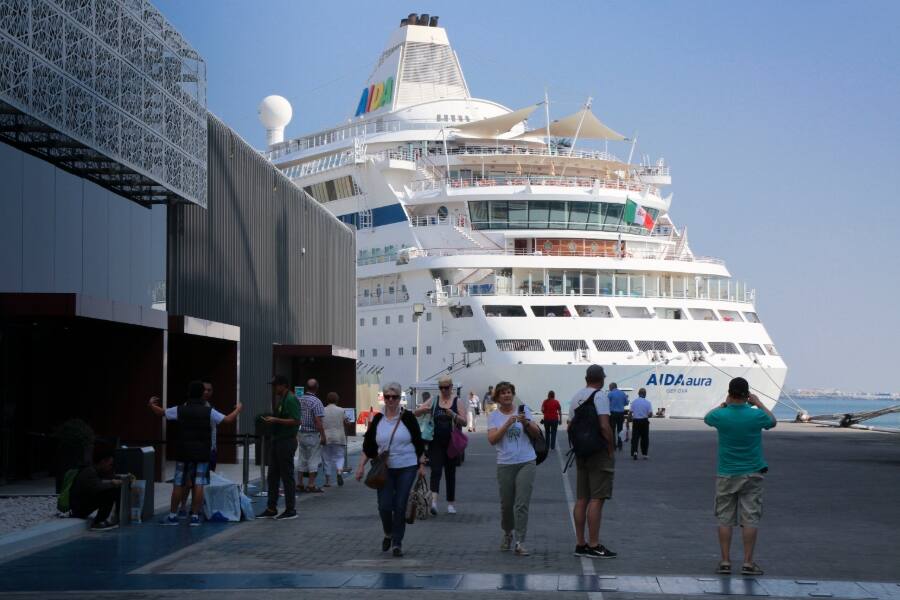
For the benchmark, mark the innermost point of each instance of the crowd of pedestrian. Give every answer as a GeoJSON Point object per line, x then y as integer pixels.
{"type": "Point", "coordinates": [400, 444]}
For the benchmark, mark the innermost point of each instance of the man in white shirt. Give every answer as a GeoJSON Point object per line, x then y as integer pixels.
{"type": "Point", "coordinates": [641, 411]}
{"type": "Point", "coordinates": [595, 472]}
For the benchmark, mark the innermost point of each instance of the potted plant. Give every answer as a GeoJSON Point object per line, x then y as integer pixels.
{"type": "Point", "coordinates": [74, 445]}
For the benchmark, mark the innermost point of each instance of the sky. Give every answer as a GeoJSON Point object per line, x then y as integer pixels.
{"type": "Point", "coordinates": [780, 120]}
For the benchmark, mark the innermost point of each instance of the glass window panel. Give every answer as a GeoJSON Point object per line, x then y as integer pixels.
{"type": "Point", "coordinates": [590, 284]}
{"type": "Point", "coordinates": [555, 282]}
{"type": "Point", "coordinates": [578, 214]}
{"type": "Point", "coordinates": [499, 214]}
{"type": "Point", "coordinates": [593, 311]}
{"type": "Point", "coordinates": [560, 310]}
{"type": "Point", "coordinates": [558, 215]}
{"type": "Point", "coordinates": [573, 284]}
{"type": "Point", "coordinates": [595, 217]}
{"type": "Point", "coordinates": [637, 285]}
{"type": "Point", "coordinates": [621, 284]}
{"type": "Point", "coordinates": [518, 215]}
{"type": "Point", "coordinates": [604, 283]}
{"type": "Point", "coordinates": [479, 212]}
{"type": "Point", "coordinates": [613, 214]}
{"type": "Point", "coordinates": [538, 213]}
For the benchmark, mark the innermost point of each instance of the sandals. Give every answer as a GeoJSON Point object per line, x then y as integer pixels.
{"type": "Point", "coordinates": [314, 490]}
{"type": "Point", "coordinates": [724, 568]}
{"type": "Point", "coordinates": [751, 569]}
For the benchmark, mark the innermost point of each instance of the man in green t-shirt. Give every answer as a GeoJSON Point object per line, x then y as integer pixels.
{"type": "Point", "coordinates": [739, 482]}
{"type": "Point", "coordinates": [284, 424]}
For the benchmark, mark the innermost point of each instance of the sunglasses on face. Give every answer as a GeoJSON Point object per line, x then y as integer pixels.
{"type": "Point", "coordinates": [390, 396]}
{"type": "Point", "coordinates": [444, 387]}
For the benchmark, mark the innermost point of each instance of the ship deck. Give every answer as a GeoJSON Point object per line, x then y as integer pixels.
{"type": "Point", "coordinates": [830, 529]}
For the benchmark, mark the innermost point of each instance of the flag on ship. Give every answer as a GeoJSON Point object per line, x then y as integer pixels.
{"type": "Point", "coordinates": [637, 215]}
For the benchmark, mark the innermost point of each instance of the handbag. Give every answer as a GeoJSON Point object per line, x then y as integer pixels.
{"type": "Point", "coordinates": [418, 504]}
{"type": "Point", "coordinates": [426, 423]}
{"type": "Point", "coordinates": [458, 443]}
{"type": "Point", "coordinates": [377, 475]}
{"type": "Point", "coordinates": [539, 443]}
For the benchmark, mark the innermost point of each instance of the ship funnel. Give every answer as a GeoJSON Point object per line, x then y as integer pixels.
{"type": "Point", "coordinates": [403, 22]}
{"type": "Point", "coordinates": [423, 19]}
{"type": "Point", "coordinates": [412, 19]}
{"type": "Point", "coordinates": [275, 113]}
{"type": "Point", "coordinates": [434, 21]}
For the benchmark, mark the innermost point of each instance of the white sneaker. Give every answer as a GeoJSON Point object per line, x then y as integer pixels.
{"type": "Point", "coordinates": [451, 510]}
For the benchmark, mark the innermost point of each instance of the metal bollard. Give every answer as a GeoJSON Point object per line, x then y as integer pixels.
{"type": "Point", "coordinates": [124, 500]}
{"type": "Point", "coordinates": [262, 466]}
{"type": "Point", "coordinates": [246, 465]}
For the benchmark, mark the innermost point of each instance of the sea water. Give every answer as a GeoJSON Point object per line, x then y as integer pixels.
{"type": "Point", "coordinates": [819, 405]}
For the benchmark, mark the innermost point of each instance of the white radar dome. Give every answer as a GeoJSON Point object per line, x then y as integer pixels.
{"type": "Point", "coordinates": [275, 113]}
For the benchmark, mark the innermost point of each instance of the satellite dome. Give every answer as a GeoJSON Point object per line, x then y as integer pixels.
{"type": "Point", "coordinates": [274, 113]}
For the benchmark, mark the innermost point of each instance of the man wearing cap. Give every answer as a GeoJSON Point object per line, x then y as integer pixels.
{"type": "Point", "coordinates": [741, 466]}
{"type": "Point", "coordinates": [595, 472]}
{"type": "Point", "coordinates": [284, 424]}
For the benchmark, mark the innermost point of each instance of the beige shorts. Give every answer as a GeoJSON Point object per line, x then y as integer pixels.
{"type": "Point", "coordinates": [310, 455]}
{"type": "Point", "coordinates": [739, 500]}
{"type": "Point", "coordinates": [595, 476]}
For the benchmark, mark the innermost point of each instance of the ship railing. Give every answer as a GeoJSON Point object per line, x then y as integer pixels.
{"type": "Point", "coordinates": [422, 185]}
{"type": "Point", "coordinates": [346, 132]}
{"type": "Point", "coordinates": [654, 171]}
{"type": "Point", "coordinates": [745, 296]}
{"type": "Point", "coordinates": [439, 220]}
{"type": "Point", "coordinates": [378, 299]}
{"type": "Point", "coordinates": [508, 150]}
{"type": "Point", "coordinates": [409, 253]}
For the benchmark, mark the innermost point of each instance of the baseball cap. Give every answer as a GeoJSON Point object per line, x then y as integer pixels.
{"type": "Point", "coordinates": [738, 388]}
{"type": "Point", "coordinates": [595, 373]}
{"type": "Point", "coordinates": [279, 380]}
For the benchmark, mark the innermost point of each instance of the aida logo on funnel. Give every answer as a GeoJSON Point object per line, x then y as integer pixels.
{"type": "Point", "coordinates": [375, 96]}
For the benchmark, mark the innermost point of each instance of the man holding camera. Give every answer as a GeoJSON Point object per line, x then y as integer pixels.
{"type": "Point", "coordinates": [741, 468]}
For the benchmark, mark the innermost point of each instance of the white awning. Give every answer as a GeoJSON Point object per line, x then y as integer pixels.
{"type": "Point", "coordinates": [494, 126]}
{"type": "Point", "coordinates": [591, 128]}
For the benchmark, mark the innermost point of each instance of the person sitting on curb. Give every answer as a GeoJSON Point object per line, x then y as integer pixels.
{"type": "Point", "coordinates": [95, 489]}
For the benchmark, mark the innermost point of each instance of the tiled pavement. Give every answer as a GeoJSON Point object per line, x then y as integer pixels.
{"type": "Point", "coordinates": [827, 490]}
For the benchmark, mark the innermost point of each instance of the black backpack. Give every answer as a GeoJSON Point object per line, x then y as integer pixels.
{"type": "Point", "coordinates": [585, 438]}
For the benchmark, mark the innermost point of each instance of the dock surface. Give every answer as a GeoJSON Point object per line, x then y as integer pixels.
{"type": "Point", "coordinates": [830, 529]}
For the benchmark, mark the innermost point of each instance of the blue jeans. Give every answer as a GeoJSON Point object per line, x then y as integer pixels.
{"type": "Point", "coordinates": [392, 499]}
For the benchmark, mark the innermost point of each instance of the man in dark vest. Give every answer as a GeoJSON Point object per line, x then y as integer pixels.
{"type": "Point", "coordinates": [193, 446]}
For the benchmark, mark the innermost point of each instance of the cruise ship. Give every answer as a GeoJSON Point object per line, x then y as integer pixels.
{"type": "Point", "coordinates": [498, 243]}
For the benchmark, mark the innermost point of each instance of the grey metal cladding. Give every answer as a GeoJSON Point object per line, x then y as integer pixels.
{"type": "Point", "coordinates": [263, 256]}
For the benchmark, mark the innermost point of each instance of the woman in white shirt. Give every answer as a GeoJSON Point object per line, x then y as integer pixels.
{"type": "Point", "coordinates": [508, 431]}
{"type": "Point", "coordinates": [405, 461]}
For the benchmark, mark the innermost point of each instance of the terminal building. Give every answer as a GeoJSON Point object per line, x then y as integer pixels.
{"type": "Point", "coordinates": [143, 243]}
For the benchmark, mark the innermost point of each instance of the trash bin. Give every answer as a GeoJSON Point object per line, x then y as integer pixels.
{"type": "Point", "coordinates": [140, 462]}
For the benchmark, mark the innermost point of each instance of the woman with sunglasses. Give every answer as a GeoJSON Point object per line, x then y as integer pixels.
{"type": "Point", "coordinates": [405, 461]}
{"type": "Point", "coordinates": [508, 431]}
{"type": "Point", "coordinates": [449, 412]}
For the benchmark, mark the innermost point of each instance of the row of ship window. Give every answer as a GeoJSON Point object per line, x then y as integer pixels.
{"type": "Point", "coordinates": [387, 352]}
{"type": "Point", "coordinates": [606, 312]}
{"type": "Point", "coordinates": [536, 345]}
{"type": "Point", "coordinates": [387, 319]}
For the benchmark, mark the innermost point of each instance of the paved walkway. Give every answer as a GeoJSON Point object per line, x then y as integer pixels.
{"type": "Point", "coordinates": [830, 529]}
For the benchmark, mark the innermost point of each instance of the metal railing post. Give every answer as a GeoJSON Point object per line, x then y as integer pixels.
{"type": "Point", "coordinates": [262, 466]}
{"type": "Point", "coordinates": [246, 465]}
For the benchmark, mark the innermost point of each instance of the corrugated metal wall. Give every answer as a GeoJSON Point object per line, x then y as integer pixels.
{"type": "Point", "coordinates": [262, 256]}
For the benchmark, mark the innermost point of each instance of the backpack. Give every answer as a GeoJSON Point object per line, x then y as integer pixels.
{"type": "Point", "coordinates": [584, 431]}
{"type": "Point", "coordinates": [63, 504]}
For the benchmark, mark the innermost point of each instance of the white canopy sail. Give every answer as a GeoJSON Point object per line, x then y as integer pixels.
{"type": "Point", "coordinates": [590, 128]}
{"type": "Point", "coordinates": [494, 126]}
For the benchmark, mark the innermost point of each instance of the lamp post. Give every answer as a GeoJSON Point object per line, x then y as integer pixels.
{"type": "Point", "coordinates": [418, 311]}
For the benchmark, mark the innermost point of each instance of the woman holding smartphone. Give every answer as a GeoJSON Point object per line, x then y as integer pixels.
{"type": "Point", "coordinates": [508, 431]}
